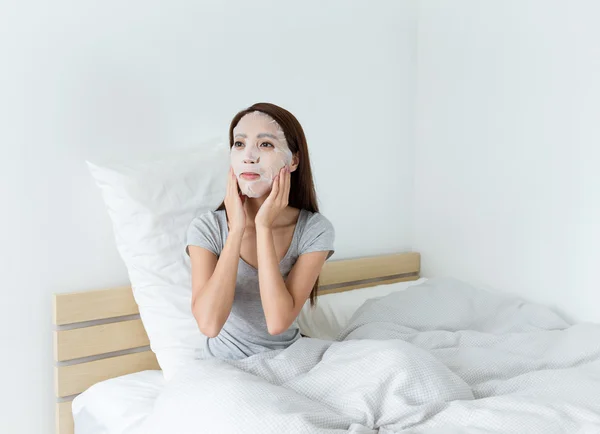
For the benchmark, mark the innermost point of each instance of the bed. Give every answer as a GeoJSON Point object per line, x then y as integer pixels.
{"type": "Point", "coordinates": [100, 341]}
{"type": "Point", "coordinates": [437, 356]}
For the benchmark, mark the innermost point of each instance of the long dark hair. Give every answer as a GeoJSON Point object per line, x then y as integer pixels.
{"type": "Point", "coordinates": [302, 187]}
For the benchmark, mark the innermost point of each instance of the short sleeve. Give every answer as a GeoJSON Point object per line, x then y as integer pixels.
{"type": "Point", "coordinates": [204, 232]}
{"type": "Point", "coordinates": [318, 236]}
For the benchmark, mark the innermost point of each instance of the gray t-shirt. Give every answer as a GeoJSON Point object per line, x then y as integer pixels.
{"type": "Point", "coordinates": [245, 331]}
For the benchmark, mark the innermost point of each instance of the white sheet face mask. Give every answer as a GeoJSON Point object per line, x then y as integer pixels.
{"type": "Point", "coordinates": [258, 153]}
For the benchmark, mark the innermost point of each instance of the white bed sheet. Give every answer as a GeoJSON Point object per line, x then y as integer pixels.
{"type": "Point", "coordinates": [118, 405]}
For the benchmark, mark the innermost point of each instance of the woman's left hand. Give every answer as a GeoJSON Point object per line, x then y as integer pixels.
{"type": "Point", "coordinates": [277, 200]}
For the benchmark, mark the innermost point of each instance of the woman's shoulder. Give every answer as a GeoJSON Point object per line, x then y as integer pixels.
{"type": "Point", "coordinates": [210, 217]}
{"type": "Point", "coordinates": [317, 234]}
{"type": "Point", "coordinates": [206, 230]}
{"type": "Point", "coordinates": [316, 220]}
{"type": "Point", "coordinates": [209, 221]}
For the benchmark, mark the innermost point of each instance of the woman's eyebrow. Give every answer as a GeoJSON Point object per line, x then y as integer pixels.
{"type": "Point", "coordinates": [261, 135]}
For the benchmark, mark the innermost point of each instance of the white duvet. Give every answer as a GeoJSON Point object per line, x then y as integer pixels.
{"type": "Point", "coordinates": [440, 357]}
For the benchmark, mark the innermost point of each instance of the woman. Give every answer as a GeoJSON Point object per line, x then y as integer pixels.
{"type": "Point", "coordinates": [257, 258]}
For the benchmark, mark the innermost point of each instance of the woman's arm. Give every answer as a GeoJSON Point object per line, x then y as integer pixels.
{"type": "Point", "coordinates": [213, 284]}
{"type": "Point", "coordinates": [283, 300]}
{"type": "Point", "coordinates": [213, 280]}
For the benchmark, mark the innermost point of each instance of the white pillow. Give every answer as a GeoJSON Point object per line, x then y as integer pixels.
{"type": "Point", "coordinates": [333, 311]}
{"type": "Point", "coordinates": [151, 204]}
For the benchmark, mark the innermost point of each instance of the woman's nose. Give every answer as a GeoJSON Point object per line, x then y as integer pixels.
{"type": "Point", "coordinates": [251, 156]}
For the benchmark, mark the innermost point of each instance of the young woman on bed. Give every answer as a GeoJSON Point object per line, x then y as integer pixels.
{"type": "Point", "coordinates": [257, 258]}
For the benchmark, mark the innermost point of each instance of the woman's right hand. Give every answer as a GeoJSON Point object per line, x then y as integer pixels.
{"type": "Point", "coordinates": [234, 204]}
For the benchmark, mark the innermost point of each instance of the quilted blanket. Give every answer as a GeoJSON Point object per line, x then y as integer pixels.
{"type": "Point", "coordinates": [441, 357]}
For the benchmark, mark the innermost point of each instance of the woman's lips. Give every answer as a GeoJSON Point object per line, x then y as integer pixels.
{"type": "Point", "coordinates": [250, 176]}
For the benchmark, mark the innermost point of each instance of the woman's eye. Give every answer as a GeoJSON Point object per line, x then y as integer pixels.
{"type": "Point", "coordinates": [266, 145]}
{"type": "Point", "coordinates": [238, 144]}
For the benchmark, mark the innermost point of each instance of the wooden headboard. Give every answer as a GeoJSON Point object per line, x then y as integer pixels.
{"type": "Point", "coordinates": [98, 334]}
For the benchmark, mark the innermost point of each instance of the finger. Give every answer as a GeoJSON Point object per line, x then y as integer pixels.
{"type": "Point", "coordinates": [233, 187]}
{"type": "Point", "coordinates": [288, 182]}
{"type": "Point", "coordinates": [230, 182]}
{"type": "Point", "coordinates": [282, 183]}
{"type": "Point", "coordinates": [236, 184]}
{"type": "Point", "coordinates": [275, 188]}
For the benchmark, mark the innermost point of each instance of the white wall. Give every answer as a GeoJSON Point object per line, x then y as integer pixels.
{"type": "Point", "coordinates": [507, 179]}
{"type": "Point", "coordinates": [112, 80]}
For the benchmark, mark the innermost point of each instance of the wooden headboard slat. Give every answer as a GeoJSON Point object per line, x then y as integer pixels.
{"type": "Point", "coordinates": [99, 339]}
{"type": "Point", "coordinates": [336, 289]}
{"type": "Point", "coordinates": [77, 307]}
{"type": "Point", "coordinates": [351, 270]}
{"type": "Point", "coordinates": [74, 379]}
{"type": "Point", "coordinates": [64, 418]}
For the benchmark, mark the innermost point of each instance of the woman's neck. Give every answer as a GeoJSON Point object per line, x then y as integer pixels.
{"type": "Point", "coordinates": [252, 205]}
